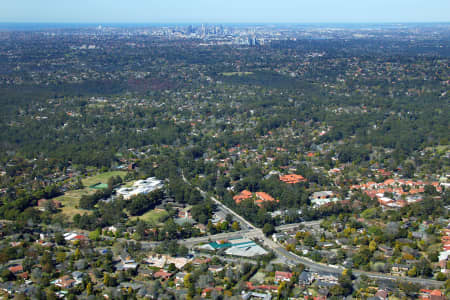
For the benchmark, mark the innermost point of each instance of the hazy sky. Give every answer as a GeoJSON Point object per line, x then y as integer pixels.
{"type": "Point", "coordinates": [259, 11]}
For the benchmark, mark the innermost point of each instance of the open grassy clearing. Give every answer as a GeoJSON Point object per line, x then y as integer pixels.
{"type": "Point", "coordinates": [102, 177]}
{"type": "Point", "coordinates": [71, 199]}
{"type": "Point", "coordinates": [153, 216]}
{"type": "Point", "coordinates": [70, 202]}
{"type": "Point", "coordinates": [258, 277]}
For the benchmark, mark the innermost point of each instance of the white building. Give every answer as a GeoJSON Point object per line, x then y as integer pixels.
{"type": "Point", "coordinates": [140, 187]}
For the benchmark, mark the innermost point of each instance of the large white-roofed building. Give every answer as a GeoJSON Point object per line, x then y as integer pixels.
{"type": "Point", "coordinates": [140, 187]}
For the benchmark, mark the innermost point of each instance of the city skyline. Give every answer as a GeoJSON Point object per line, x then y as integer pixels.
{"type": "Point", "coordinates": [233, 11]}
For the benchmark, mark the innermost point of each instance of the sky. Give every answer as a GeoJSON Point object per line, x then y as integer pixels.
{"type": "Point", "coordinates": [225, 11]}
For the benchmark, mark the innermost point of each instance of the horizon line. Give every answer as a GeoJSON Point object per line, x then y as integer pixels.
{"type": "Point", "coordinates": [226, 22]}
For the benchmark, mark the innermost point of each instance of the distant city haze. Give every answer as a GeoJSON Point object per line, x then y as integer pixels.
{"type": "Point", "coordinates": [226, 11]}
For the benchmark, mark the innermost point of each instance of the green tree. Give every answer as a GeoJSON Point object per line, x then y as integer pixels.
{"type": "Point", "coordinates": [441, 276]}
{"type": "Point", "coordinates": [7, 275]}
{"type": "Point", "coordinates": [89, 289]}
{"type": "Point", "coordinates": [235, 226]}
{"type": "Point", "coordinates": [268, 229]}
{"type": "Point", "coordinates": [412, 272]}
{"type": "Point", "coordinates": [372, 246]}
{"type": "Point", "coordinates": [95, 235]}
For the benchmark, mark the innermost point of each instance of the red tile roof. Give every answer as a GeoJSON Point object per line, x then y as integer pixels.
{"type": "Point", "coordinates": [436, 293]}
{"type": "Point", "coordinates": [242, 196]}
{"type": "Point", "coordinates": [209, 290]}
{"type": "Point", "coordinates": [264, 196]}
{"type": "Point", "coordinates": [251, 287]}
{"type": "Point", "coordinates": [292, 178]}
{"type": "Point", "coordinates": [16, 269]}
{"type": "Point", "coordinates": [162, 274]}
{"type": "Point", "coordinates": [283, 275]}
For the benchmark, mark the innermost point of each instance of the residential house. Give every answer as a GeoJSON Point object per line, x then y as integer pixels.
{"type": "Point", "coordinates": [263, 287]}
{"type": "Point", "coordinates": [201, 261]}
{"type": "Point", "coordinates": [161, 274]}
{"type": "Point", "coordinates": [65, 282]}
{"type": "Point", "coordinates": [253, 295]}
{"type": "Point", "coordinates": [244, 195]}
{"type": "Point", "coordinates": [179, 279]}
{"type": "Point", "coordinates": [326, 277]}
{"type": "Point", "coordinates": [292, 178]}
{"type": "Point", "coordinates": [159, 261]}
{"type": "Point", "coordinates": [16, 269]}
{"type": "Point", "coordinates": [382, 295]}
{"type": "Point", "coordinates": [282, 276]}
{"type": "Point", "coordinates": [263, 197]}
{"type": "Point", "coordinates": [305, 278]}
{"type": "Point", "coordinates": [432, 295]}
{"type": "Point", "coordinates": [399, 269]}
{"type": "Point", "coordinates": [215, 268]}
{"type": "Point", "coordinates": [78, 276]}
{"type": "Point", "coordinates": [207, 291]}
{"type": "Point", "coordinates": [321, 198]}
{"type": "Point", "coordinates": [126, 263]}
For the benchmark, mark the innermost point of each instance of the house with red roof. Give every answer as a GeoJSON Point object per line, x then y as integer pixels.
{"type": "Point", "coordinates": [17, 269]}
{"type": "Point", "coordinates": [382, 295]}
{"type": "Point", "coordinates": [282, 276]}
{"type": "Point", "coordinates": [201, 261]}
{"type": "Point", "coordinates": [431, 295]}
{"type": "Point", "coordinates": [244, 195]}
{"type": "Point", "coordinates": [263, 197]}
{"type": "Point", "coordinates": [162, 274]}
{"type": "Point", "coordinates": [292, 178]}
{"type": "Point", "coordinates": [263, 287]}
{"type": "Point", "coordinates": [207, 291]}
{"type": "Point", "coordinates": [65, 282]}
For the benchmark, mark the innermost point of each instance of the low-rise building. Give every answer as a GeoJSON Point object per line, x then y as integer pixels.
{"type": "Point", "coordinates": [282, 276]}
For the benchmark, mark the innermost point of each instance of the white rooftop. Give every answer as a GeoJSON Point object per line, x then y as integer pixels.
{"type": "Point", "coordinates": [140, 187]}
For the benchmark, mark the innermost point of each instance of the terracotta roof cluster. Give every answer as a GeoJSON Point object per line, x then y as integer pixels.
{"type": "Point", "coordinates": [261, 197]}
{"type": "Point", "coordinates": [399, 191]}
{"type": "Point", "coordinates": [377, 190]}
{"type": "Point", "coordinates": [244, 195]}
{"type": "Point", "coordinates": [393, 183]}
{"type": "Point", "coordinates": [292, 178]}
